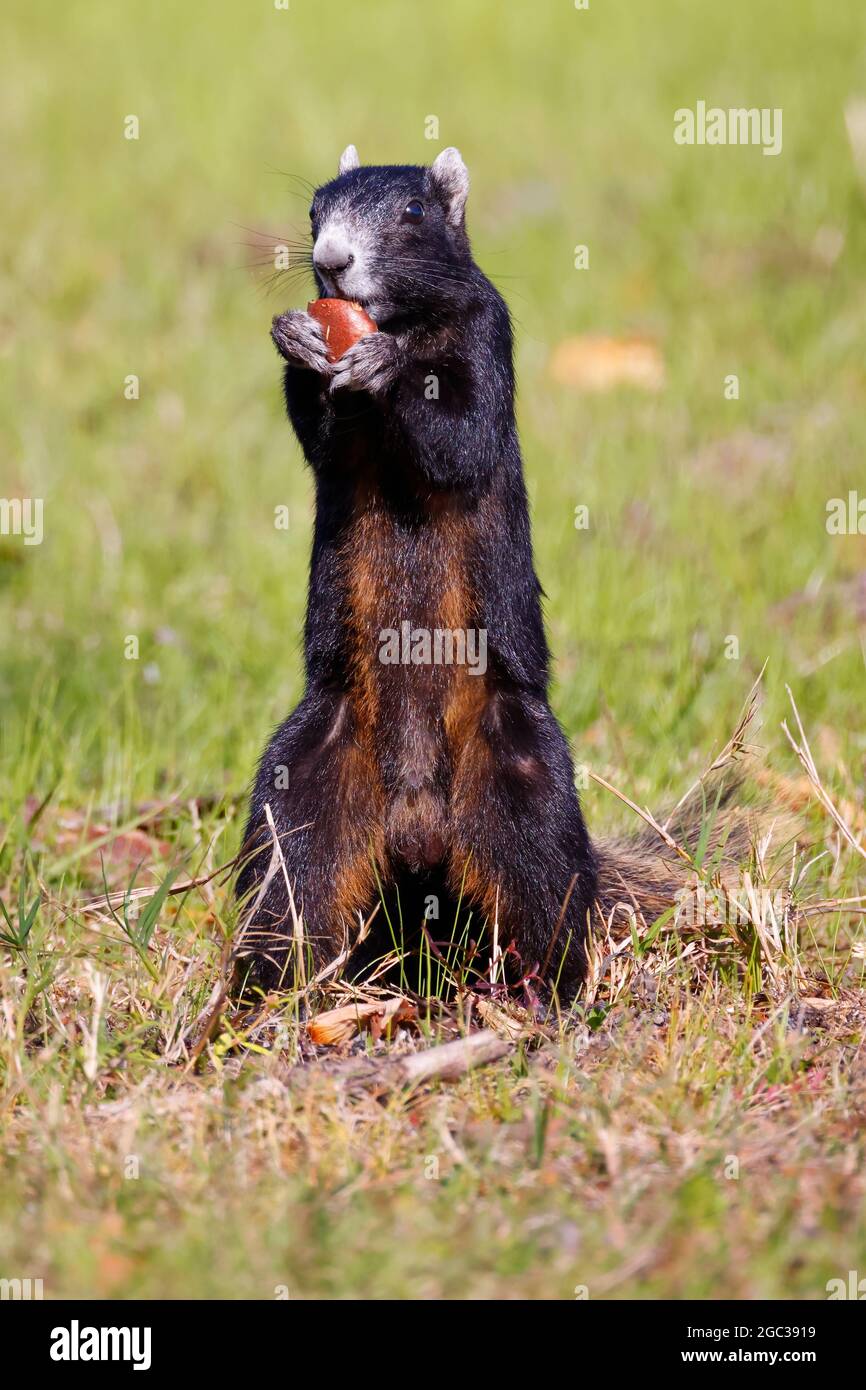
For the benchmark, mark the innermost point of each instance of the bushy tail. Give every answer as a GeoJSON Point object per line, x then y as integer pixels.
{"type": "Point", "coordinates": [711, 838]}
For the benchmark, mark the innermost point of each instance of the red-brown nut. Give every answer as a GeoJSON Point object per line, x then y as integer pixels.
{"type": "Point", "coordinates": [343, 322]}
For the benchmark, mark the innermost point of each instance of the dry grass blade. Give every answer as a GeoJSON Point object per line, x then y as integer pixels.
{"type": "Point", "coordinates": [645, 815]}
{"type": "Point", "coordinates": [207, 1021]}
{"type": "Point", "coordinates": [735, 747]}
{"type": "Point", "coordinates": [139, 895]}
{"type": "Point", "coordinates": [825, 906]}
{"type": "Point", "coordinates": [336, 965]}
{"type": "Point", "coordinates": [804, 753]}
{"type": "Point", "coordinates": [297, 922]}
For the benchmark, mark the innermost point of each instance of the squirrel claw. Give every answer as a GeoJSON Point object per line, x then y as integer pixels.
{"type": "Point", "coordinates": [369, 365]}
{"type": "Point", "coordinates": [300, 341]}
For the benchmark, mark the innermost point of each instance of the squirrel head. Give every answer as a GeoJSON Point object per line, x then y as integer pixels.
{"type": "Point", "coordinates": [393, 237]}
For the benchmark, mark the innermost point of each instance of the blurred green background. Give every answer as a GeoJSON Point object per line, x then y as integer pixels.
{"type": "Point", "coordinates": [122, 256]}
{"type": "Point", "coordinates": [707, 521]}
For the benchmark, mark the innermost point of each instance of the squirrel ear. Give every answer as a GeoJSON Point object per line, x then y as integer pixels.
{"type": "Point", "coordinates": [451, 177]}
{"type": "Point", "coordinates": [349, 159]}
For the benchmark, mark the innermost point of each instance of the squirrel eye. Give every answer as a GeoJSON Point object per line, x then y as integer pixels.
{"type": "Point", "coordinates": [414, 212]}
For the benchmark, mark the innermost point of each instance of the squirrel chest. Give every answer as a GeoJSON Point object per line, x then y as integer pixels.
{"type": "Point", "coordinates": [417, 662]}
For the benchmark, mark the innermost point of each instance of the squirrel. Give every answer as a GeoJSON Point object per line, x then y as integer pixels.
{"type": "Point", "coordinates": [398, 775]}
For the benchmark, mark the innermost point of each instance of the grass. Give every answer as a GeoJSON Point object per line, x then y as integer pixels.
{"type": "Point", "coordinates": [597, 1154]}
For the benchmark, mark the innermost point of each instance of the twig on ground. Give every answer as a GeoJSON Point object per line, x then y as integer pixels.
{"type": "Point", "coordinates": [447, 1062]}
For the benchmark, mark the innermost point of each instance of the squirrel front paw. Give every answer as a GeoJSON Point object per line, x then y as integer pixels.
{"type": "Point", "coordinates": [371, 364]}
{"type": "Point", "coordinates": [299, 339]}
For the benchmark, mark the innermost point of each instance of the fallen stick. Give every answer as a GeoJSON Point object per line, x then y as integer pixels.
{"type": "Point", "coordinates": [453, 1060]}
{"type": "Point", "coordinates": [448, 1062]}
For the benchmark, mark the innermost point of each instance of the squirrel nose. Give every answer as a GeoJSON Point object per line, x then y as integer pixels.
{"type": "Point", "coordinates": [333, 259]}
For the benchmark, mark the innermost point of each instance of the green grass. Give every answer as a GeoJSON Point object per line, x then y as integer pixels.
{"type": "Point", "coordinates": [707, 520]}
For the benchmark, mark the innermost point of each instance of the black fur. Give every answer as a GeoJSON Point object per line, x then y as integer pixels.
{"type": "Point", "coordinates": [442, 777]}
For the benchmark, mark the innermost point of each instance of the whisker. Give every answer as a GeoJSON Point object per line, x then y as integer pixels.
{"type": "Point", "coordinates": [257, 232]}
{"type": "Point", "coordinates": [287, 281]}
{"type": "Point", "coordinates": [298, 178]}
{"type": "Point", "coordinates": [296, 255]}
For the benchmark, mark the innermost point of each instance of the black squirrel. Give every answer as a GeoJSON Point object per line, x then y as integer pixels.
{"type": "Point", "coordinates": [439, 781]}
